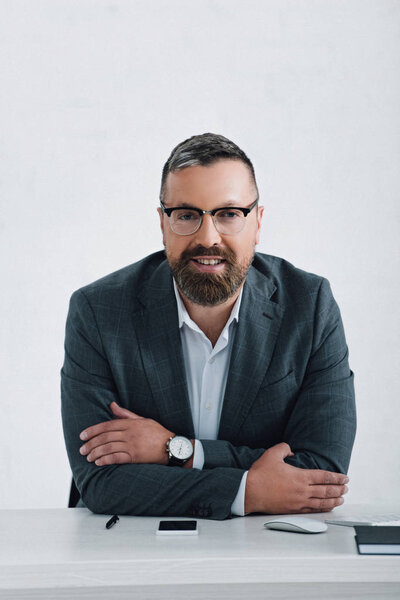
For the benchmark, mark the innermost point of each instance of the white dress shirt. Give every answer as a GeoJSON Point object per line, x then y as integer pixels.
{"type": "Point", "coordinates": [206, 371]}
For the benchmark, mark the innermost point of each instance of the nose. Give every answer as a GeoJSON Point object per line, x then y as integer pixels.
{"type": "Point", "coordinates": [207, 235]}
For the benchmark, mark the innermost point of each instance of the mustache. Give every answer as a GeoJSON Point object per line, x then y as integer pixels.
{"type": "Point", "coordinates": [225, 253]}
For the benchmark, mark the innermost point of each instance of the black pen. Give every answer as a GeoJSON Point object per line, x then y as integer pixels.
{"type": "Point", "coordinates": [112, 521]}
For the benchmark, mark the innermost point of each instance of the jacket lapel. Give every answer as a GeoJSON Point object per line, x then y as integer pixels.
{"type": "Point", "coordinates": [256, 335]}
{"type": "Point", "coordinates": [161, 349]}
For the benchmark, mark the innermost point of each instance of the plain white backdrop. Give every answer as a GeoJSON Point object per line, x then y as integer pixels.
{"type": "Point", "coordinates": [94, 96]}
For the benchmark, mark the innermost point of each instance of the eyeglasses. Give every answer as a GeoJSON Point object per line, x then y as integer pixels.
{"type": "Point", "coordinates": [228, 220]}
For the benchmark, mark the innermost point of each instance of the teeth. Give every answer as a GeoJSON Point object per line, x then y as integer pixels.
{"type": "Point", "coordinates": [207, 261]}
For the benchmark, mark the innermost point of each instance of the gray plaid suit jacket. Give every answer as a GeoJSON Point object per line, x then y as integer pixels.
{"type": "Point", "coordinates": [289, 381]}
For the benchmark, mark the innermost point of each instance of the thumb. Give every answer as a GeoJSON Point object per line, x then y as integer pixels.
{"type": "Point", "coordinates": [123, 413]}
{"type": "Point", "coordinates": [282, 450]}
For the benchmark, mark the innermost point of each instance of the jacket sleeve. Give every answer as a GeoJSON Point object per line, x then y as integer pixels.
{"type": "Point", "coordinates": [322, 425]}
{"type": "Point", "coordinates": [87, 389]}
{"type": "Point", "coordinates": [218, 453]}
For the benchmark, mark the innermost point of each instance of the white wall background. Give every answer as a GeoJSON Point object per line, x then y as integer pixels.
{"type": "Point", "coordinates": [94, 96]}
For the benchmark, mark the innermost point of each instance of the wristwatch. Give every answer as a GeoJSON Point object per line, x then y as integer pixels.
{"type": "Point", "coordinates": [179, 449]}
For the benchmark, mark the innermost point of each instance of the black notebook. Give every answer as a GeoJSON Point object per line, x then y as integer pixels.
{"type": "Point", "coordinates": [371, 539]}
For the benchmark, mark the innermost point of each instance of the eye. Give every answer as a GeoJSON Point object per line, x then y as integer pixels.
{"type": "Point", "coordinates": [229, 214]}
{"type": "Point", "coordinates": [186, 215]}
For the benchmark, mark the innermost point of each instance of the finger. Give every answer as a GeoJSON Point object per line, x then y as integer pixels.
{"type": "Point", "coordinates": [114, 425]}
{"type": "Point", "coordinates": [316, 476]}
{"type": "Point", "coordinates": [322, 505]}
{"type": "Point", "coordinates": [328, 491]}
{"type": "Point", "coordinates": [110, 448]}
{"type": "Point", "coordinates": [123, 412]}
{"type": "Point", "coordinates": [113, 459]}
{"type": "Point", "coordinates": [99, 440]}
{"type": "Point", "coordinates": [315, 510]}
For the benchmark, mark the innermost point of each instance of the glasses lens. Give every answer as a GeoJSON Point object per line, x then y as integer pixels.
{"type": "Point", "coordinates": [185, 221]}
{"type": "Point", "coordinates": [229, 221]}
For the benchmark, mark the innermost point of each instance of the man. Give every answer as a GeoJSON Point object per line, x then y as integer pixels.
{"type": "Point", "coordinates": [208, 381]}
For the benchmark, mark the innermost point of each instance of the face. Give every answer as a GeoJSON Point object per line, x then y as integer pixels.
{"type": "Point", "coordinates": [223, 184]}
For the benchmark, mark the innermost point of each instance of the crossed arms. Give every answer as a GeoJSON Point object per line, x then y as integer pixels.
{"type": "Point", "coordinates": [131, 475]}
{"type": "Point", "coordinates": [272, 487]}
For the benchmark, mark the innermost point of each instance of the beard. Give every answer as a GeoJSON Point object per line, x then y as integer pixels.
{"type": "Point", "coordinates": [209, 289]}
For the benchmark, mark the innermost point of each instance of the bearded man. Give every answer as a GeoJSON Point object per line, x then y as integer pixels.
{"type": "Point", "coordinates": [208, 380]}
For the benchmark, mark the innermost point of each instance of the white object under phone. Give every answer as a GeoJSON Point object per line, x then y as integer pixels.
{"type": "Point", "coordinates": [177, 528]}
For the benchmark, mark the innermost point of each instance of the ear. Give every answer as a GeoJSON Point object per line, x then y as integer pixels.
{"type": "Point", "coordinates": [161, 215]}
{"type": "Point", "coordinates": [260, 213]}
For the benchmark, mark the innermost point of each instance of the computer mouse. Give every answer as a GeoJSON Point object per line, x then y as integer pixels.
{"type": "Point", "coordinates": [296, 524]}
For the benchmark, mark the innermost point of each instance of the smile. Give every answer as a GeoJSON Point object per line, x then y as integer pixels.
{"type": "Point", "coordinates": [209, 261]}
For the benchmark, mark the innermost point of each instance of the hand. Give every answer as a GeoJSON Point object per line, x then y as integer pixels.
{"type": "Point", "coordinates": [274, 487]}
{"type": "Point", "coordinates": [127, 439]}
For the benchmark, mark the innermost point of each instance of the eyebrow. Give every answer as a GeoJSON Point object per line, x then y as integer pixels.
{"type": "Point", "coordinates": [187, 205]}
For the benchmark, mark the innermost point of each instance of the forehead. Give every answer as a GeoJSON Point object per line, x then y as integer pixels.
{"type": "Point", "coordinates": [223, 181]}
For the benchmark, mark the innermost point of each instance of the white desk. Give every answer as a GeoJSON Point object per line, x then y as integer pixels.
{"type": "Point", "coordinates": [68, 553]}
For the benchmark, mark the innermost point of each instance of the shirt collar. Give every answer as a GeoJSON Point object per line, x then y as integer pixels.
{"type": "Point", "coordinates": [183, 315]}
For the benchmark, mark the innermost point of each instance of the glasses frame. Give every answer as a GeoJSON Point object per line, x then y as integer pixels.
{"type": "Point", "coordinates": [169, 211]}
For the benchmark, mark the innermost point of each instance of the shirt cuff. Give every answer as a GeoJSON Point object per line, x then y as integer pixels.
{"type": "Point", "coordinates": [237, 507]}
{"type": "Point", "coordinates": [198, 455]}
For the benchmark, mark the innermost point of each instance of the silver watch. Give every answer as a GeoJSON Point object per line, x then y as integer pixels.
{"type": "Point", "coordinates": [179, 449]}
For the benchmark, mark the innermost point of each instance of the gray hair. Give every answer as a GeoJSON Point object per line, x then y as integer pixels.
{"type": "Point", "coordinates": [203, 150]}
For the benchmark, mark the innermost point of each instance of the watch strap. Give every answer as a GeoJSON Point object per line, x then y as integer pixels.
{"type": "Point", "coordinates": [173, 461]}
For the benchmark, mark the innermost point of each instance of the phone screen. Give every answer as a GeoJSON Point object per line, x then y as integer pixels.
{"type": "Point", "coordinates": [177, 526]}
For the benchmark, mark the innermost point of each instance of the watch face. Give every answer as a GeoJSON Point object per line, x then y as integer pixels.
{"type": "Point", "coordinates": [181, 447]}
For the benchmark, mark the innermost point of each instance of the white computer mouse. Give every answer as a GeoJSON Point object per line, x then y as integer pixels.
{"type": "Point", "coordinates": [296, 524]}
